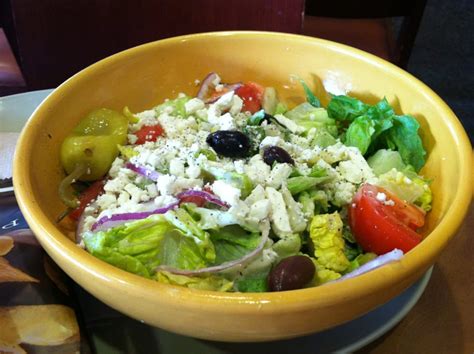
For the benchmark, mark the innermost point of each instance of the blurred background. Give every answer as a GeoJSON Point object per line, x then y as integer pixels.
{"type": "Point", "coordinates": [42, 43]}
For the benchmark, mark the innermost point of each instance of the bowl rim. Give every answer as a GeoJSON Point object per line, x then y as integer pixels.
{"type": "Point", "coordinates": [54, 240]}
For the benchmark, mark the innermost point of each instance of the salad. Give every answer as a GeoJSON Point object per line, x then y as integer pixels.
{"type": "Point", "coordinates": [232, 190]}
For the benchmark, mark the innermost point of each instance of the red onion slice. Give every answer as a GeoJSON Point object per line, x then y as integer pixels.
{"type": "Point", "coordinates": [107, 222]}
{"type": "Point", "coordinates": [144, 171]}
{"type": "Point", "coordinates": [375, 263]}
{"type": "Point", "coordinates": [209, 197]}
{"type": "Point", "coordinates": [206, 85]}
{"type": "Point", "coordinates": [224, 266]}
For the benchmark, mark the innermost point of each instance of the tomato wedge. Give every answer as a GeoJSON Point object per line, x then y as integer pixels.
{"type": "Point", "coordinates": [86, 197]}
{"type": "Point", "coordinates": [251, 94]}
{"type": "Point", "coordinates": [148, 133]}
{"type": "Point", "coordinates": [381, 222]}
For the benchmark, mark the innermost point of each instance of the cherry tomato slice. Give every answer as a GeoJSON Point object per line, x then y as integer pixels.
{"type": "Point", "coordinates": [86, 197]}
{"type": "Point", "coordinates": [251, 94]}
{"type": "Point", "coordinates": [148, 133]}
{"type": "Point", "coordinates": [380, 226]}
{"type": "Point", "coordinates": [199, 201]}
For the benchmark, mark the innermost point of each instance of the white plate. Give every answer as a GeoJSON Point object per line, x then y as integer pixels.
{"type": "Point", "coordinates": [15, 111]}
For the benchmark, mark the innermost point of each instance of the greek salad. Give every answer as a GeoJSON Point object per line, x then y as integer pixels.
{"type": "Point", "coordinates": [232, 190]}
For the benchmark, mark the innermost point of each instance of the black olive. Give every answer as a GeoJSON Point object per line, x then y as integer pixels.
{"type": "Point", "coordinates": [278, 154]}
{"type": "Point", "coordinates": [229, 143]}
{"type": "Point", "coordinates": [291, 273]}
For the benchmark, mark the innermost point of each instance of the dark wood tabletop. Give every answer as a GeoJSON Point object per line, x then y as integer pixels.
{"type": "Point", "coordinates": [443, 319]}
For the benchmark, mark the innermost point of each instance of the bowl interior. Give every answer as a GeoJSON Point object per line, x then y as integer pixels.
{"type": "Point", "coordinates": [144, 76]}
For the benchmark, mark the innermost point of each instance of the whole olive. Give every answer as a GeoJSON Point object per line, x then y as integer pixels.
{"type": "Point", "coordinates": [278, 154]}
{"type": "Point", "coordinates": [229, 143]}
{"type": "Point", "coordinates": [291, 273]}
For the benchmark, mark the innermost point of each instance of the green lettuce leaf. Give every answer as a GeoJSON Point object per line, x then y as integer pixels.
{"type": "Point", "coordinates": [176, 106]}
{"type": "Point", "coordinates": [172, 239]}
{"type": "Point", "coordinates": [253, 283]}
{"type": "Point", "coordinates": [205, 282]}
{"type": "Point", "coordinates": [310, 97]}
{"type": "Point", "coordinates": [233, 242]}
{"type": "Point", "coordinates": [404, 138]}
{"type": "Point", "coordinates": [346, 108]}
{"type": "Point", "coordinates": [378, 127]}
{"type": "Point", "coordinates": [307, 116]}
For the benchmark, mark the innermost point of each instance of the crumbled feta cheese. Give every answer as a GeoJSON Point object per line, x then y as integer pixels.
{"type": "Point", "coordinates": [381, 197]}
{"type": "Point", "coordinates": [165, 184]}
{"type": "Point", "coordinates": [225, 101]}
{"type": "Point", "coordinates": [177, 167]}
{"type": "Point", "coordinates": [236, 105]}
{"type": "Point", "coordinates": [116, 166]}
{"type": "Point", "coordinates": [164, 200]}
{"type": "Point", "coordinates": [272, 141]}
{"type": "Point", "coordinates": [227, 193]}
{"type": "Point", "coordinates": [278, 215]}
{"type": "Point", "coordinates": [260, 210]}
{"type": "Point", "coordinates": [239, 166]}
{"type": "Point", "coordinates": [152, 190]}
{"type": "Point", "coordinates": [132, 139]}
{"type": "Point", "coordinates": [193, 105]}
{"type": "Point", "coordinates": [226, 122]}
{"type": "Point", "coordinates": [257, 170]}
{"type": "Point", "coordinates": [106, 201]}
{"type": "Point", "coordinates": [258, 193]}
{"type": "Point", "coordinates": [193, 171]}
{"type": "Point", "coordinates": [279, 174]}
{"type": "Point", "coordinates": [137, 195]}
{"type": "Point", "coordinates": [291, 125]}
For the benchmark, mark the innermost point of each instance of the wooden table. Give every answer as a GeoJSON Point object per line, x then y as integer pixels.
{"type": "Point", "coordinates": [443, 319]}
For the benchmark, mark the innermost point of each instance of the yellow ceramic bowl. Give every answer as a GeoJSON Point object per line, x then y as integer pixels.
{"type": "Point", "coordinates": [141, 78]}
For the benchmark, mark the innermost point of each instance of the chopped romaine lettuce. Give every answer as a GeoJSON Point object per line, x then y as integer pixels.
{"type": "Point", "coordinates": [325, 232]}
{"type": "Point", "coordinates": [140, 246]}
{"type": "Point", "coordinates": [346, 108]}
{"type": "Point", "coordinates": [307, 116]}
{"type": "Point", "coordinates": [287, 246]}
{"type": "Point", "coordinates": [302, 183]}
{"type": "Point", "coordinates": [237, 180]}
{"type": "Point", "coordinates": [253, 283]}
{"type": "Point", "coordinates": [360, 260]}
{"type": "Point", "coordinates": [204, 282]}
{"type": "Point", "coordinates": [377, 127]}
{"type": "Point", "coordinates": [233, 242]}
{"type": "Point", "coordinates": [404, 137]}
{"type": "Point", "coordinates": [174, 107]}
{"type": "Point", "coordinates": [407, 186]}
{"type": "Point", "coordinates": [384, 160]}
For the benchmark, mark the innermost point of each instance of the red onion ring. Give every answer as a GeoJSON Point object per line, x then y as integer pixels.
{"type": "Point", "coordinates": [392, 256]}
{"type": "Point", "coordinates": [206, 85]}
{"type": "Point", "coordinates": [209, 197]}
{"type": "Point", "coordinates": [224, 266]}
{"type": "Point", "coordinates": [143, 171]}
{"type": "Point", "coordinates": [107, 222]}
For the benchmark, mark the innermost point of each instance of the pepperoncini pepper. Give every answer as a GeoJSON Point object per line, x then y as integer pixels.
{"type": "Point", "coordinates": [89, 150]}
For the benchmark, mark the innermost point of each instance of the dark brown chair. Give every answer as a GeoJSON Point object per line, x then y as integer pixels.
{"type": "Point", "coordinates": [53, 39]}
{"type": "Point", "coordinates": [368, 25]}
